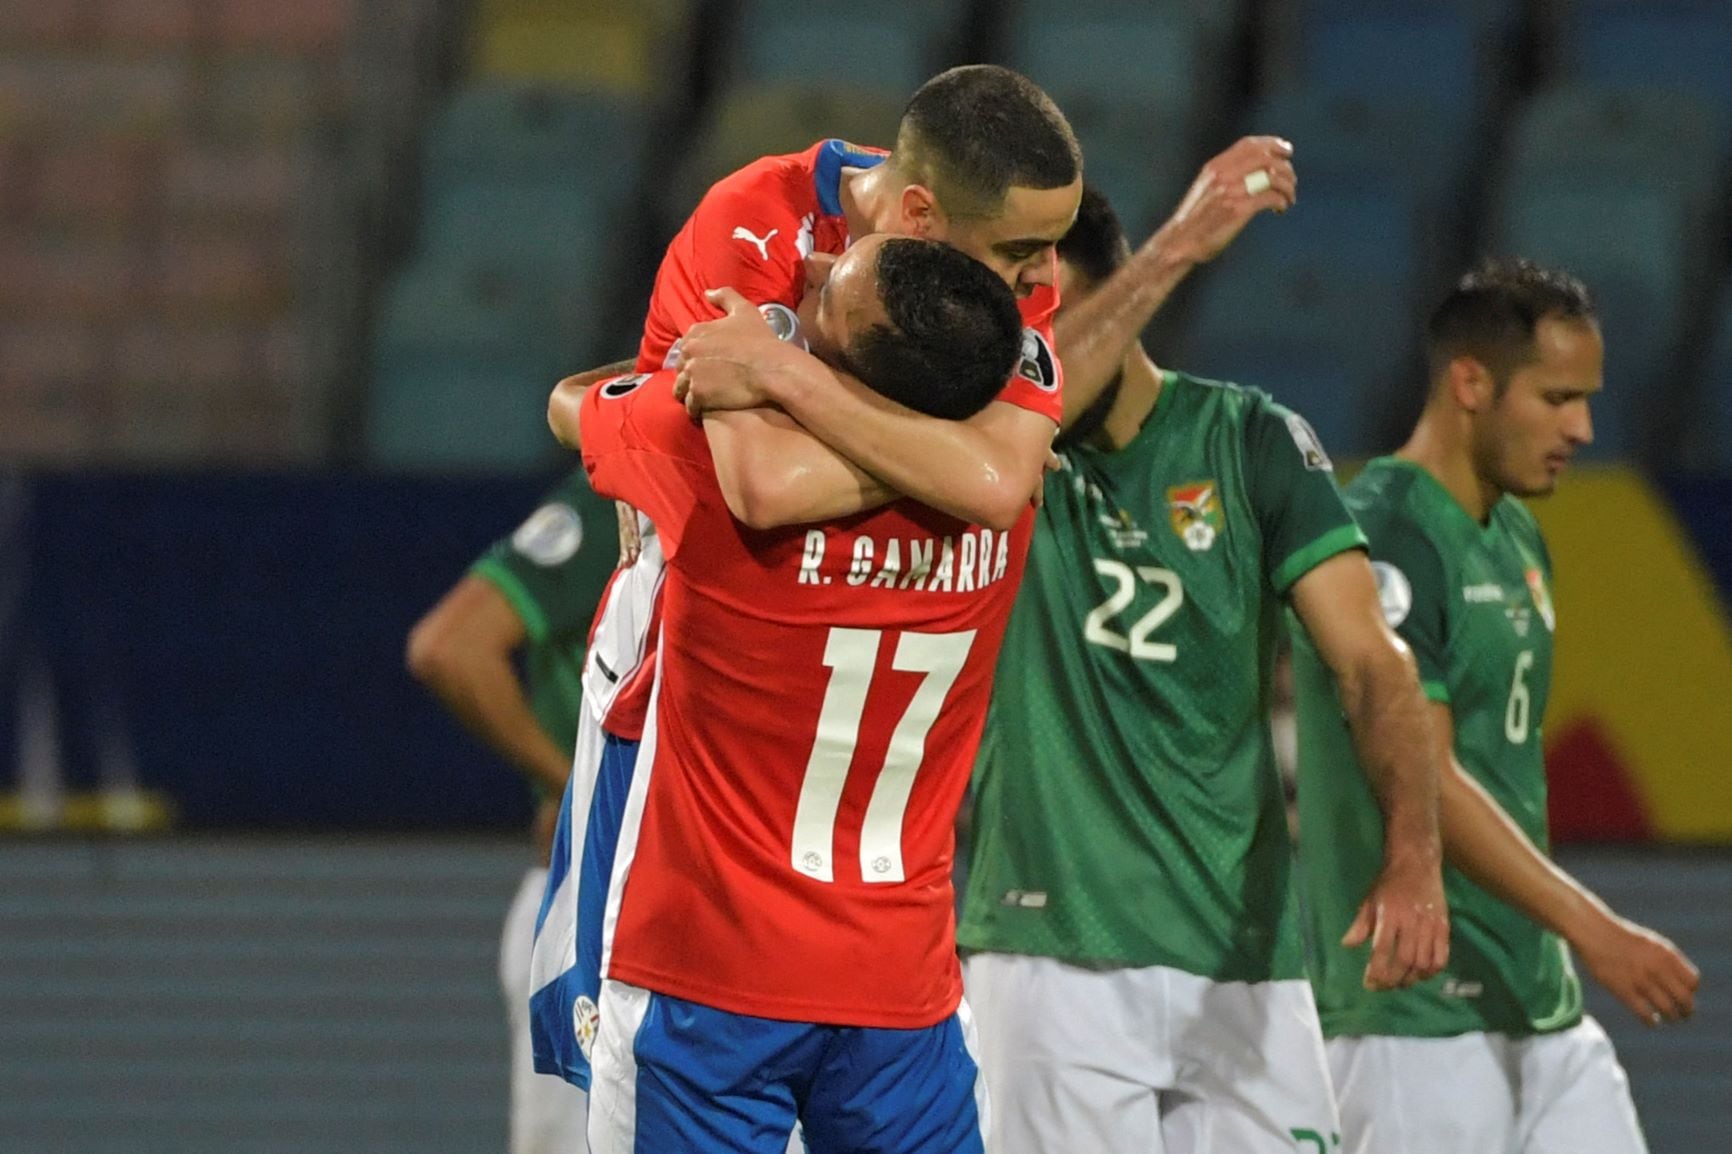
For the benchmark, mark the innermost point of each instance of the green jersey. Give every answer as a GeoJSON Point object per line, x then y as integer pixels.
{"type": "Point", "coordinates": [1474, 603]}
{"type": "Point", "coordinates": [1128, 810]}
{"type": "Point", "coordinates": [553, 570]}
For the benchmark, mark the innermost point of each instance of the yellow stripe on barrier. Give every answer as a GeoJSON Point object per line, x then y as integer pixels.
{"type": "Point", "coordinates": [1644, 646]}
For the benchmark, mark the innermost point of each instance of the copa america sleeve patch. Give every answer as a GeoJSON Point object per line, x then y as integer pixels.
{"type": "Point", "coordinates": [1037, 366]}
{"type": "Point", "coordinates": [1310, 448]}
{"type": "Point", "coordinates": [1394, 592]}
{"type": "Point", "coordinates": [551, 536]}
{"type": "Point", "coordinates": [623, 386]}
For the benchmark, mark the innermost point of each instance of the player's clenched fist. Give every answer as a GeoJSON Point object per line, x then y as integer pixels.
{"type": "Point", "coordinates": [1254, 175]}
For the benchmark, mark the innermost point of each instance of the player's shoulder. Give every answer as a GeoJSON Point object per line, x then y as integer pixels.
{"type": "Point", "coordinates": [776, 186]}
{"type": "Point", "coordinates": [1244, 407]}
{"type": "Point", "coordinates": [1394, 505]}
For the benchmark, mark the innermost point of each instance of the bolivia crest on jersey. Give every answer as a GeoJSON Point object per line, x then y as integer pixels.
{"type": "Point", "coordinates": [1196, 513]}
{"type": "Point", "coordinates": [1542, 599]}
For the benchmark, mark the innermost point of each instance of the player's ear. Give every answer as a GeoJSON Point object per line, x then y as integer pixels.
{"type": "Point", "coordinates": [1469, 382]}
{"type": "Point", "coordinates": [921, 215]}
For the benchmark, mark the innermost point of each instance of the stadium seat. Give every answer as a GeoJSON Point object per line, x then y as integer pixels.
{"type": "Point", "coordinates": [768, 120]}
{"type": "Point", "coordinates": [1157, 52]}
{"type": "Point", "coordinates": [1347, 232]}
{"type": "Point", "coordinates": [539, 228]}
{"type": "Point", "coordinates": [1681, 44]}
{"type": "Point", "coordinates": [1139, 153]}
{"type": "Point", "coordinates": [1333, 348]}
{"type": "Point", "coordinates": [463, 361]}
{"type": "Point", "coordinates": [1642, 138]}
{"type": "Point", "coordinates": [881, 45]}
{"type": "Point", "coordinates": [1629, 247]}
{"type": "Point", "coordinates": [515, 131]}
{"type": "Point", "coordinates": [586, 46]}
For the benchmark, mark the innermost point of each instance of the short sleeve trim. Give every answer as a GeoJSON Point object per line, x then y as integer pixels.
{"type": "Point", "coordinates": [1338, 540]}
{"type": "Point", "coordinates": [1435, 691]}
{"type": "Point", "coordinates": [527, 608]}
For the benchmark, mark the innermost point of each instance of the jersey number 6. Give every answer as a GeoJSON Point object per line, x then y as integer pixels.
{"type": "Point", "coordinates": [851, 655]}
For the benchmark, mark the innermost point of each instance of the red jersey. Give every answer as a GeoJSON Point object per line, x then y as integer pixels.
{"type": "Point", "coordinates": [820, 697]}
{"type": "Point", "coordinates": [752, 232]}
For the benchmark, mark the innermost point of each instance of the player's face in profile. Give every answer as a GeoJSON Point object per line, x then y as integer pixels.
{"type": "Point", "coordinates": [841, 298]}
{"type": "Point", "coordinates": [1529, 434]}
{"type": "Point", "coordinates": [1017, 243]}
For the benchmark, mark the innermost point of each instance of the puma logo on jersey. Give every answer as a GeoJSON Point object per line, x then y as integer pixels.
{"type": "Point", "coordinates": [763, 246]}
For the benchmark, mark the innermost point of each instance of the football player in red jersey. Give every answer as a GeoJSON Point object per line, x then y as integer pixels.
{"type": "Point", "coordinates": [780, 911]}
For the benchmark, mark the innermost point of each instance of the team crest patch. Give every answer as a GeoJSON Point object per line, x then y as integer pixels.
{"type": "Point", "coordinates": [1196, 512]}
{"type": "Point", "coordinates": [585, 1020]}
{"type": "Point", "coordinates": [1037, 365]}
{"type": "Point", "coordinates": [551, 536]}
{"type": "Point", "coordinates": [1542, 599]}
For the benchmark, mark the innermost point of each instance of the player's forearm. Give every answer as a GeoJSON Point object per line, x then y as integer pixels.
{"type": "Point", "coordinates": [773, 473]}
{"type": "Point", "coordinates": [1093, 335]}
{"type": "Point", "coordinates": [1486, 845]}
{"type": "Point", "coordinates": [1387, 714]}
{"type": "Point", "coordinates": [483, 692]}
{"type": "Point", "coordinates": [957, 467]}
{"type": "Point", "coordinates": [566, 401]}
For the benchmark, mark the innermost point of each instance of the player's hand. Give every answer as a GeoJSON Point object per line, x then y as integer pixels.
{"type": "Point", "coordinates": [1640, 968]}
{"type": "Point", "coordinates": [725, 362]}
{"type": "Point", "coordinates": [1406, 919]}
{"type": "Point", "coordinates": [1053, 465]}
{"type": "Point", "coordinates": [1254, 175]}
{"type": "Point", "coordinates": [630, 540]}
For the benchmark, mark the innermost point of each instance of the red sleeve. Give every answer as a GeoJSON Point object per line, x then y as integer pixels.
{"type": "Point", "coordinates": [743, 235]}
{"type": "Point", "coordinates": [1038, 383]}
{"type": "Point", "coordinates": [641, 447]}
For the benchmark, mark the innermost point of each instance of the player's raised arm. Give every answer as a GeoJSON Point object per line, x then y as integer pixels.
{"type": "Point", "coordinates": [1639, 967]}
{"type": "Point", "coordinates": [1255, 175]}
{"type": "Point", "coordinates": [1405, 914]}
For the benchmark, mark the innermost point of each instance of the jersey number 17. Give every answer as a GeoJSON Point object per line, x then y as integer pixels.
{"type": "Point", "coordinates": [851, 655]}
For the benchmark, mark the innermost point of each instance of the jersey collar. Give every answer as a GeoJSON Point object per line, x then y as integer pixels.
{"type": "Point", "coordinates": [833, 157]}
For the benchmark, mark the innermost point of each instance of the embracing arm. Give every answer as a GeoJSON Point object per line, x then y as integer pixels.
{"type": "Point", "coordinates": [985, 469]}
{"type": "Point", "coordinates": [567, 399]}
{"type": "Point", "coordinates": [774, 473]}
{"type": "Point", "coordinates": [1094, 333]}
{"type": "Point", "coordinates": [1405, 914]}
{"type": "Point", "coordinates": [1639, 967]}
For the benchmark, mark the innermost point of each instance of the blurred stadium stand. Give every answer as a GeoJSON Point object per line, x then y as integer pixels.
{"type": "Point", "coordinates": [357, 240]}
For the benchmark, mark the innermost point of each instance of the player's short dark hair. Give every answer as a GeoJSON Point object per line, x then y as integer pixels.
{"type": "Point", "coordinates": [1492, 312]}
{"type": "Point", "coordinates": [1096, 243]}
{"type": "Point", "coordinates": [975, 132]}
{"type": "Point", "coordinates": [954, 333]}
{"type": "Point", "coordinates": [1096, 246]}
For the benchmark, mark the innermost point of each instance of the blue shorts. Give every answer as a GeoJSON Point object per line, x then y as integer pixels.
{"type": "Point", "coordinates": [676, 1077]}
{"type": "Point", "coordinates": [568, 930]}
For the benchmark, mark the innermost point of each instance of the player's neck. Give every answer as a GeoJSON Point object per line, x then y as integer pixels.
{"type": "Point", "coordinates": [1440, 445]}
{"type": "Point", "coordinates": [1134, 407]}
{"type": "Point", "coordinates": [867, 196]}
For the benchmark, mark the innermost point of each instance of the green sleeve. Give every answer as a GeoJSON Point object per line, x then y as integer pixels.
{"type": "Point", "coordinates": [1413, 587]}
{"type": "Point", "coordinates": [554, 567]}
{"type": "Point", "coordinates": [1299, 509]}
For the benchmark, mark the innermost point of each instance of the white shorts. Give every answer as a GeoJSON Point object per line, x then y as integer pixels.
{"type": "Point", "coordinates": [1148, 1061]}
{"type": "Point", "coordinates": [1560, 1093]}
{"type": "Point", "coordinates": [547, 1113]}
